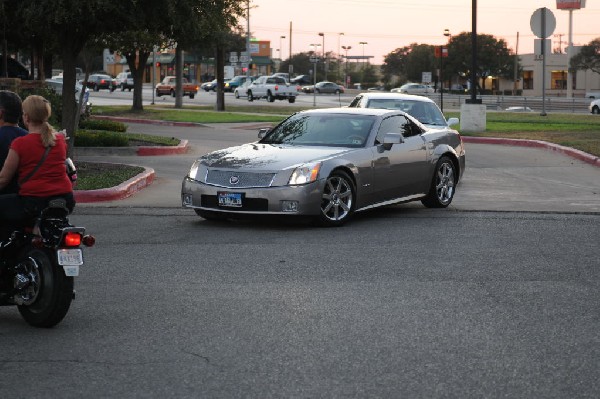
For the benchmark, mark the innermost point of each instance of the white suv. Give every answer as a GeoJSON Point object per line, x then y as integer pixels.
{"type": "Point", "coordinates": [595, 107]}
{"type": "Point", "coordinates": [125, 80]}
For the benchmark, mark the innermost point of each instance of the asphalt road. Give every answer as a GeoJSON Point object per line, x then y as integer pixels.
{"type": "Point", "coordinates": [497, 296]}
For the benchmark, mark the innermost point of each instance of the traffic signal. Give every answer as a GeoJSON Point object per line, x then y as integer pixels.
{"type": "Point", "coordinates": [158, 64]}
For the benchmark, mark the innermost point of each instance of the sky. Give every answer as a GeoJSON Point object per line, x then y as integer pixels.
{"type": "Point", "coordinates": [386, 25]}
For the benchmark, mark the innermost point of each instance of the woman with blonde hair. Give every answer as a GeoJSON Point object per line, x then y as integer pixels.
{"type": "Point", "coordinates": [38, 160]}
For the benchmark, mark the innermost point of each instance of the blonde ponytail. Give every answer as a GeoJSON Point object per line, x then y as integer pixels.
{"type": "Point", "coordinates": [38, 110]}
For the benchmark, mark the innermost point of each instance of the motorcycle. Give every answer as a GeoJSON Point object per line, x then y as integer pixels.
{"type": "Point", "coordinates": [38, 264]}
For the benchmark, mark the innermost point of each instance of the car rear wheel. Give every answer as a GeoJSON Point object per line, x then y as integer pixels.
{"type": "Point", "coordinates": [337, 200]}
{"type": "Point", "coordinates": [158, 93]}
{"type": "Point", "coordinates": [443, 184]}
{"type": "Point", "coordinates": [172, 93]}
{"type": "Point", "coordinates": [596, 110]}
{"type": "Point", "coordinates": [250, 97]}
{"type": "Point", "coordinates": [270, 97]}
{"type": "Point", "coordinates": [236, 94]}
{"type": "Point", "coordinates": [191, 96]}
{"type": "Point", "coordinates": [292, 100]}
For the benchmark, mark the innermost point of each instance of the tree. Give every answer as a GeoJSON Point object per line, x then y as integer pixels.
{"type": "Point", "coordinates": [408, 63]}
{"type": "Point", "coordinates": [72, 25]}
{"type": "Point", "coordinates": [493, 57]}
{"type": "Point", "coordinates": [588, 57]}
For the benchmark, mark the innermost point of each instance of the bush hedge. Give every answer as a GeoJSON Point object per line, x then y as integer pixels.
{"type": "Point", "coordinates": [101, 124]}
{"type": "Point", "coordinates": [100, 138]}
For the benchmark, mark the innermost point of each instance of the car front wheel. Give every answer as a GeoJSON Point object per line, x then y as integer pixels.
{"type": "Point", "coordinates": [443, 184]}
{"type": "Point", "coordinates": [337, 200]}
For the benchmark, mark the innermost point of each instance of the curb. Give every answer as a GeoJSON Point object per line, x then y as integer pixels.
{"type": "Point", "coordinates": [123, 190]}
{"type": "Point", "coordinates": [568, 151]}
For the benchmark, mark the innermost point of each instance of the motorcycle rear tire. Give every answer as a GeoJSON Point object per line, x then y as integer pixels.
{"type": "Point", "coordinates": [55, 291]}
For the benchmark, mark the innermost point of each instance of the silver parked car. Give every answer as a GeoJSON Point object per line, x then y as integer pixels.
{"type": "Point", "coordinates": [327, 164]}
{"type": "Point", "coordinates": [422, 108]}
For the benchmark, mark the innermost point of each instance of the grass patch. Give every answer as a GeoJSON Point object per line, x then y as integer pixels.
{"type": "Point", "coordinates": [93, 176]}
{"type": "Point", "coordinates": [196, 114]}
{"type": "Point", "coordinates": [580, 131]}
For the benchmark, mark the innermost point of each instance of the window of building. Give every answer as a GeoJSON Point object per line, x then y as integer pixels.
{"type": "Point", "coordinates": [559, 80]}
{"type": "Point", "coordinates": [527, 80]}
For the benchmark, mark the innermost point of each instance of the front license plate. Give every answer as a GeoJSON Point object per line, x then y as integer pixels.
{"type": "Point", "coordinates": [70, 257]}
{"type": "Point", "coordinates": [230, 199]}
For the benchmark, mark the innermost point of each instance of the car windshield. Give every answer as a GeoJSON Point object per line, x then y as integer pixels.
{"type": "Point", "coordinates": [425, 112]}
{"type": "Point", "coordinates": [337, 130]}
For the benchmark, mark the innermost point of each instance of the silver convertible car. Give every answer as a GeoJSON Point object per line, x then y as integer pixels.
{"type": "Point", "coordinates": [327, 164]}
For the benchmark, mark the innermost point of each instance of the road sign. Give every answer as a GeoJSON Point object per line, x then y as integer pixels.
{"type": "Point", "coordinates": [542, 23]}
{"type": "Point", "coordinates": [314, 59]}
{"type": "Point", "coordinates": [425, 77]}
{"type": "Point", "coordinates": [233, 57]}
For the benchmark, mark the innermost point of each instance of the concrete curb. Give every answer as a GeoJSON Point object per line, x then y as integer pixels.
{"type": "Point", "coordinates": [568, 151]}
{"type": "Point", "coordinates": [123, 190]}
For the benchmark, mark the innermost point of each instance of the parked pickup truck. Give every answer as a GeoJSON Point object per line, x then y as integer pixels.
{"type": "Point", "coordinates": [272, 88]}
{"type": "Point", "coordinates": [167, 87]}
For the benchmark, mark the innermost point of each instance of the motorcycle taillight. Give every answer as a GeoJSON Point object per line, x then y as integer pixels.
{"type": "Point", "coordinates": [72, 239]}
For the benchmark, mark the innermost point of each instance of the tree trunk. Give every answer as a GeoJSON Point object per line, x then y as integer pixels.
{"type": "Point", "coordinates": [137, 72]}
{"type": "Point", "coordinates": [178, 77]}
{"type": "Point", "coordinates": [220, 73]}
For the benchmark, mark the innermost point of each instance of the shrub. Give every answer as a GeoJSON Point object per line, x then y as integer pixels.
{"type": "Point", "coordinates": [100, 138]}
{"type": "Point", "coordinates": [101, 124]}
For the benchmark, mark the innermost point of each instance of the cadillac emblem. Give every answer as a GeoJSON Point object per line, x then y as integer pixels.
{"type": "Point", "coordinates": [234, 180]}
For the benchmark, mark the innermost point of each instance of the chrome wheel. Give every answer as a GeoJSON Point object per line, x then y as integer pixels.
{"type": "Point", "coordinates": [443, 185]}
{"type": "Point", "coordinates": [337, 201]}
{"type": "Point", "coordinates": [27, 282]}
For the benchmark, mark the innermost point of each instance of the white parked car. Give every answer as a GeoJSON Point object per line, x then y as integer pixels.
{"type": "Point", "coordinates": [421, 108]}
{"type": "Point", "coordinates": [242, 91]}
{"type": "Point", "coordinates": [413, 88]}
{"type": "Point", "coordinates": [57, 86]}
{"type": "Point", "coordinates": [595, 107]}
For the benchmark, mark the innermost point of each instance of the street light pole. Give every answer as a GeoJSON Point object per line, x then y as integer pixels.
{"type": "Point", "coordinates": [324, 59]}
{"type": "Point", "coordinates": [346, 68]}
{"type": "Point", "coordinates": [280, 47]}
{"type": "Point", "coordinates": [338, 54]}
{"type": "Point", "coordinates": [447, 34]}
{"type": "Point", "coordinates": [363, 46]}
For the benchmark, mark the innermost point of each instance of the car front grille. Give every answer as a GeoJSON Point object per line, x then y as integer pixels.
{"type": "Point", "coordinates": [232, 179]}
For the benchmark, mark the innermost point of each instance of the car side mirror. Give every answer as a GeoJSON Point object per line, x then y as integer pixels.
{"type": "Point", "coordinates": [389, 139]}
{"type": "Point", "coordinates": [453, 121]}
{"type": "Point", "coordinates": [263, 132]}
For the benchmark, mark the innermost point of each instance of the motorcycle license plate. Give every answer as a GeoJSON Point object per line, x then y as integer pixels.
{"type": "Point", "coordinates": [70, 257]}
{"type": "Point", "coordinates": [230, 199]}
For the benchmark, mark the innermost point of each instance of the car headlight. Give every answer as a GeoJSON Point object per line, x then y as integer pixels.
{"type": "Point", "coordinates": [306, 173]}
{"type": "Point", "coordinates": [194, 170]}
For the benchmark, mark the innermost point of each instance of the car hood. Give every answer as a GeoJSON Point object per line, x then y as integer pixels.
{"type": "Point", "coordinates": [268, 157]}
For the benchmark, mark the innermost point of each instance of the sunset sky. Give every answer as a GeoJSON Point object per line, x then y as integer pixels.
{"type": "Point", "coordinates": [389, 24]}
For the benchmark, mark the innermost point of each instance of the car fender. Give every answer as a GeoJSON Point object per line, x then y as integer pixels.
{"type": "Point", "coordinates": [446, 149]}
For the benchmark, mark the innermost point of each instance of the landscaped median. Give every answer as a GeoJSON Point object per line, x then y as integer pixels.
{"type": "Point", "coordinates": [121, 191]}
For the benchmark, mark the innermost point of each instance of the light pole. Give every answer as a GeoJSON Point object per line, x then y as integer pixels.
{"type": "Point", "coordinates": [339, 55]}
{"type": "Point", "coordinates": [363, 46]}
{"type": "Point", "coordinates": [324, 60]}
{"type": "Point", "coordinates": [346, 69]}
{"type": "Point", "coordinates": [280, 47]}
{"type": "Point", "coordinates": [447, 34]}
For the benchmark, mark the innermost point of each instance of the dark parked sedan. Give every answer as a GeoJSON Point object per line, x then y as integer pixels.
{"type": "Point", "coordinates": [327, 164]}
{"type": "Point", "coordinates": [324, 87]}
{"type": "Point", "coordinates": [99, 81]}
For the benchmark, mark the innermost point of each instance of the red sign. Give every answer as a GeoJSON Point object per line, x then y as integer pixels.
{"type": "Point", "coordinates": [569, 4]}
{"type": "Point", "coordinates": [441, 51]}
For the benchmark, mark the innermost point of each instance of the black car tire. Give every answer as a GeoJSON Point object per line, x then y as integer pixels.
{"type": "Point", "coordinates": [317, 91]}
{"type": "Point", "coordinates": [172, 93]}
{"type": "Point", "coordinates": [292, 100]}
{"type": "Point", "coordinates": [250, 96]}
{"type": "Point", "coordinates": [96, 88]}
{"type": "Point", "coordinates": [158, 93]}
{"type": "Point", "coordinates": [236, 94]}
{"type": "Point", "coordinates": [443, 184]}
{"type": "Point", "coordinates": [596, 110]}
{"type": "Point", "coordinates": [191, 96]}
{"type": "Point", "coordinates": [337, 92]}
{"type": "Point", "coordinates": [270, 97]}
{"type": "Point", "coordinates": [338, 200]}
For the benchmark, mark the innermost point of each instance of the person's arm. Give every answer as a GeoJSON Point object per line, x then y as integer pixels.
{"type": "Point", "coordinates": [10, 168]}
